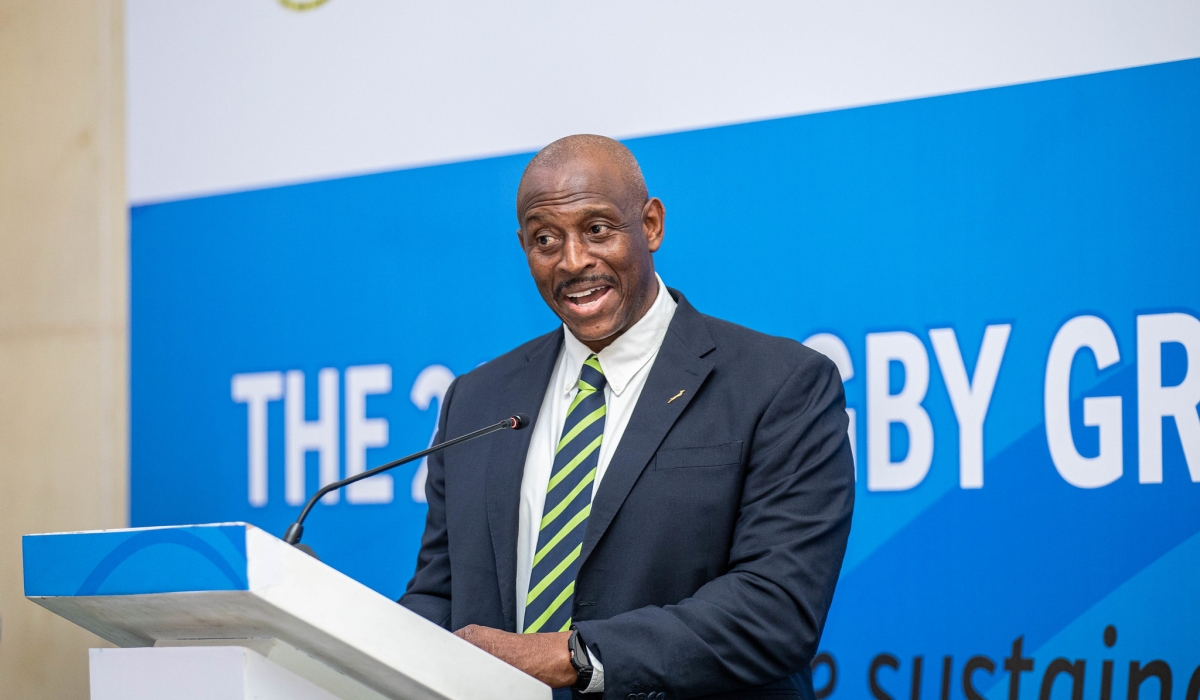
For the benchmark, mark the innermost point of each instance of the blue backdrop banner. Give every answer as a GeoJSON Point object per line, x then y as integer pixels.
{"type": "Point", "coordinates": [1008, 279]}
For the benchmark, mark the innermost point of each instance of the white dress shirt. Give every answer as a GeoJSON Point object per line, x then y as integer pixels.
{"type": "Point", "coordinates": [626, 364]}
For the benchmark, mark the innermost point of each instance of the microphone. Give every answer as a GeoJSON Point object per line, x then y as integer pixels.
{"type": "Point", "coordinates": [295, 531]}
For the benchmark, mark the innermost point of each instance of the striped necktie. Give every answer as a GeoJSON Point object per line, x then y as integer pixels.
{"type": "Point", "coordinates": [568, 503]}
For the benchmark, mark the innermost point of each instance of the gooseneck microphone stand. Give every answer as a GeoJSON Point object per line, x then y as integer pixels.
{"type": "Point", "coordinates": [296, 530]}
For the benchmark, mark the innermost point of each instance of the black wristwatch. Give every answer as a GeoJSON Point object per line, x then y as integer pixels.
{"type": "Point", "coordinates": [580, 660]}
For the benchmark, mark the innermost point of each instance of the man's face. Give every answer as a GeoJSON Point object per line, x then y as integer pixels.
{"type": "Point", "coordinates": [589, 246]}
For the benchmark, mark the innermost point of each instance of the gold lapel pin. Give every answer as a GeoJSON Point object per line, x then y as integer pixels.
{"type": "Point", "coordinates": [676, 395]}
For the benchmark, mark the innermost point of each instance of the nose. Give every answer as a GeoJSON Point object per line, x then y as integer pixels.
{"type": "Point", "coordinates": [576, 257]}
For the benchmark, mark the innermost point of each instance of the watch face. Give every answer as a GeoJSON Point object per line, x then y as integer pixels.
{"type": "Point", "coordinates": [579, 656]}
{"type": "Point", "coordinates": [576, 651]}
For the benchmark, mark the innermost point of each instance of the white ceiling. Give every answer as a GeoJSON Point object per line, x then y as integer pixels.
{"type": "Point", "coordinates": [226, 95]}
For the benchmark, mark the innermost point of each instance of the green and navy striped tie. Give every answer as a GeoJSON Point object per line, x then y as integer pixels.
{"type": "Point", "coordinates": [568, 503]}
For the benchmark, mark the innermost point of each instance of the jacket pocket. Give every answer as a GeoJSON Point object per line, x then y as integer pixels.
{"type": "Point", "coordinates": [722, 455]}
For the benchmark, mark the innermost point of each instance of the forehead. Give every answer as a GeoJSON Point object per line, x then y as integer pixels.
{"type": "Point", "coordinates": [577, 184]}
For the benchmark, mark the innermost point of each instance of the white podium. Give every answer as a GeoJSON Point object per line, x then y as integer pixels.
{"type": "Point", "coordinates": [227, 611]}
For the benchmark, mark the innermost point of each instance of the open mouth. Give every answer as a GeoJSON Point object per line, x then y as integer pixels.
{"type": "Point", "coordinates": [586, 298]}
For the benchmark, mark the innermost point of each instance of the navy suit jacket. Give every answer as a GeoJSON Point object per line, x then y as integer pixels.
{"type": "Point", "coordinates": [715, 538]}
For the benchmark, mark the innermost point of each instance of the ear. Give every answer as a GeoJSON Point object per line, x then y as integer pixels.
{"type": "Point", "coordinates": [521, 240]}
{"type": "Point", "coordinates": [654, 218]}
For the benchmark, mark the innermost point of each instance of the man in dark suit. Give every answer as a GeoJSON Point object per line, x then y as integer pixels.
{"type": "Point", "coordinates": [674, 524]}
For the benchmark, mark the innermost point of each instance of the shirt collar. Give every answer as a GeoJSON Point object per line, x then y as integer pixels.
{"type": "Point", "coordinates": [630, 352]}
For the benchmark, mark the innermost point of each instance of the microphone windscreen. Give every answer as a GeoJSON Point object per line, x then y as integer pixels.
{"type": "Point", "coordinates": [519, 420]}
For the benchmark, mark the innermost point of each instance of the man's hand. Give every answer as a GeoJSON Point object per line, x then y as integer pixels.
{"type": "Point", "coordinates": [544, 656]}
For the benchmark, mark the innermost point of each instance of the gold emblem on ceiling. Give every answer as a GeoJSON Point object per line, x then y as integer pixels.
{"type": "Point", "coordinates": [302, 5]}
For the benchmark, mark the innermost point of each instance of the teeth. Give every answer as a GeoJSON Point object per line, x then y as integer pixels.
{"type": "Point", "coordinates": [584, 293]}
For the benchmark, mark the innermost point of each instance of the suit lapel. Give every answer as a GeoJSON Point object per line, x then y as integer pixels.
{"type": "Point", "coordinates": [680, 366]}
{"type": "Point", "coordinates": [521, 392]}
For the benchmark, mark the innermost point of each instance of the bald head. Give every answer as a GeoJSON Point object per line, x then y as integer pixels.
{"type": "Point", "coordinates": [591, 152]}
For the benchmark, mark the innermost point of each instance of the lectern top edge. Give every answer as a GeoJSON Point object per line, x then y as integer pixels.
{"type": "Point", "coordinates": [231, 523]}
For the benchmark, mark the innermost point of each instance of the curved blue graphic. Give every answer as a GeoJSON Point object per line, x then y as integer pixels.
{"type": "Point", "coordinates": [150, 538]}
{"type": "Point", "coordinates": [161, 560]}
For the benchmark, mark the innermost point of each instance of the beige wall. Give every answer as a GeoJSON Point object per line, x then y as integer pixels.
{"type": "Point", "coordinates": [63, 311]}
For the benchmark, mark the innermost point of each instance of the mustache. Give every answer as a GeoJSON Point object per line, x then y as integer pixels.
{"type": "Point", "coordinates": [607, 279]}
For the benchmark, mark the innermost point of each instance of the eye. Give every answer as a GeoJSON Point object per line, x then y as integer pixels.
{"type": "Point", "coordinates": [544, 239]}
{"type": "Point", "coordinates": [598, 228]}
